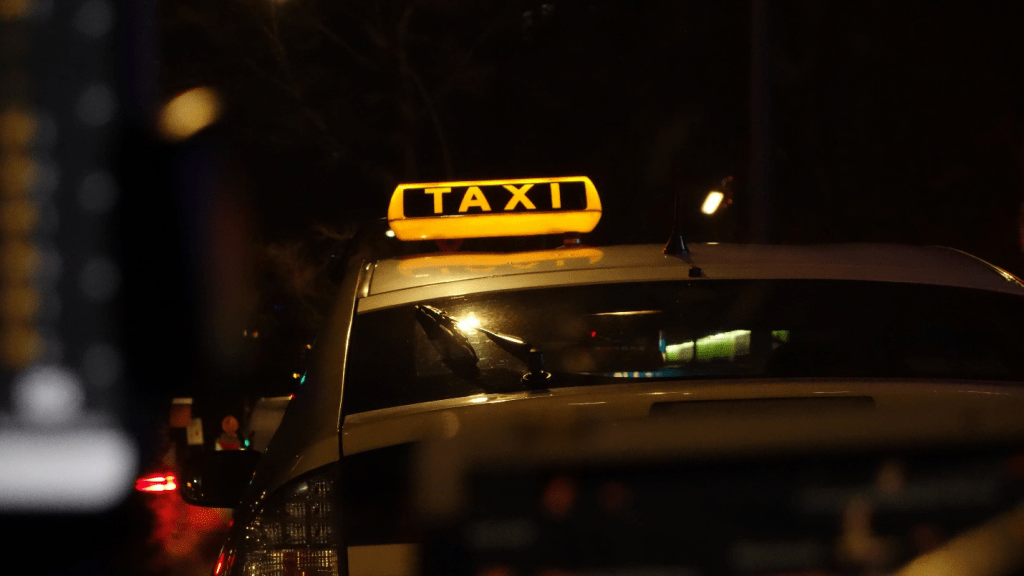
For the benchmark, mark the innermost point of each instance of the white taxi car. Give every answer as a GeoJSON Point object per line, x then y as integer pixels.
{"type": "Point", "coordinates": [430, 346]}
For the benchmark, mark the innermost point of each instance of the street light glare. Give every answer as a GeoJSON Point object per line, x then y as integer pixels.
{"type": "Point", "coordinates": [712, 202]}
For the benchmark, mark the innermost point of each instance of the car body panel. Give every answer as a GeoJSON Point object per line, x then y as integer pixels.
{"type": "Point", "coordinates": [263, 421]}
{"type": "Point", "coordinates": [446, 466]}
{"type": "Point", "coordinates": [307, 437]}
{"type": "Point", "coordinates": [569, 407]}
{"type": "Point", "coordinates": [401, 281]}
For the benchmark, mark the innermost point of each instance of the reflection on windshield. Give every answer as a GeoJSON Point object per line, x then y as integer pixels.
{"type": "Point", "coordinates": [726, 345]}
{"type": "Point", "coordinates": [687, 330]}
{"type": "Point", "coordinates": [720, 347]}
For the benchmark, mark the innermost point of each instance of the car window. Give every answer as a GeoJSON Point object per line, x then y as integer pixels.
{"type": "Point", "coordinates": [688, 330]}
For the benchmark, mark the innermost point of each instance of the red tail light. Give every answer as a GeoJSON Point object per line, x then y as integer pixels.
{"type": "Point", "coordinates": [156, 483]}
{"type": "Point", "coordinates": [224, 563]}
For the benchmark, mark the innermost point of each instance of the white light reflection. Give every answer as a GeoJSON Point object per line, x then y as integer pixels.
{"type": "Point", "coordinates": [712, 202]}
{"type": "Point", "coordinates": [468, 323]}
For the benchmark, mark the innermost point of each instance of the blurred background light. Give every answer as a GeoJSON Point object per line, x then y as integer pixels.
{"type": "Point", "coordinates": [159, 483]}
{"type": "Point", "coordinates": [77, 470]}
{"type": "Point", "coordinates": [48, 396]}
{"type": "Point", "coordinates": [95, 18]}
{"type": "Point", "coordinates": [97, 105]}
{"type": "Point", "coordinates": [97, 192]}
{"type": "Point", "coordinates": [12, 9]}
{"type": "Point", "coordinates": [188, 113]}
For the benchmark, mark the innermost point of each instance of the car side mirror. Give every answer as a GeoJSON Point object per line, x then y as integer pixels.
{"type": "Point", "coordinates": [218, 479]}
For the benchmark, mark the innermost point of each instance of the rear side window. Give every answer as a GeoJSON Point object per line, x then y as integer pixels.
{"type": "Point", "coordinates": [626, 332]}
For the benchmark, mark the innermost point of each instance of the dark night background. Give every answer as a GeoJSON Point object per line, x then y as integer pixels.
{"type": "Point", "coordinates": [888, 121]}
{"type": "Point", "coordinates": [840, 122]}
{"type": "Point", "coordinates": [878, 121]}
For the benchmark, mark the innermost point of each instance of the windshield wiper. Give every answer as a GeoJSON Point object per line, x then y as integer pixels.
{"type": "Point", "coordinates": [537, 379]}
{"type": "Point", "coordinates": [451, 344]}
{"type": "Point", "coordinates": [459, 355]}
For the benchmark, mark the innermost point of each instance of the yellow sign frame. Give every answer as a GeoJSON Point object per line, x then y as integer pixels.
{"type": "Point", "coordinates": [494, 224]}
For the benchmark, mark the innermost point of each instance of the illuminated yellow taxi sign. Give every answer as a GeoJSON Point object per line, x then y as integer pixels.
{"type": "Point", "coordinates": [489, 208]}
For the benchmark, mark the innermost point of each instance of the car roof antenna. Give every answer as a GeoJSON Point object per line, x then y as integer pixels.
{"type": "Point", "coordinates": [676, 246]}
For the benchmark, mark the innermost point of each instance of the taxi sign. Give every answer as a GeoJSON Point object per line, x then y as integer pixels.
{"type": "Point", "coordinates": [493, 208]}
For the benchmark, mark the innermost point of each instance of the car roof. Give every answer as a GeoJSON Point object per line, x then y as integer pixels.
{"type": "Point", "coordinates": [402, 280]}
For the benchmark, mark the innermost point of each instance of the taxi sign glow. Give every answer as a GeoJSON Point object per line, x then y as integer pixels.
{"type": "Point", "coordinates": [486, 262]}
{"type": "Point", "coordinates": [492, 208]}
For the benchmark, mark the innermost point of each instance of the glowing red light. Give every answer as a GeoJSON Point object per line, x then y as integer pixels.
{"type": "Point", "coordinates": [593, 334]}
{"type": "Point", "coordinates": [161, 483]}
{"type": "Point", "coordinates": [220, 564]}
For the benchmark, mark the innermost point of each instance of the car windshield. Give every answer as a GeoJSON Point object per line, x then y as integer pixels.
{"type": "Point", "coordinates": [609, 333]}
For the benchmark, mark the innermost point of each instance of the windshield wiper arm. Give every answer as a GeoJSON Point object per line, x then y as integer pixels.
{"type": "Point", "coordinates": [459, 355]}
{"type": "Point", "coordinates": [537, 379]}
{"type": "Point", "coordinates": [451, 344]}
